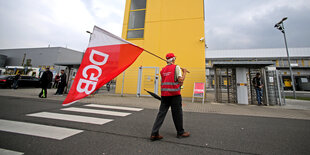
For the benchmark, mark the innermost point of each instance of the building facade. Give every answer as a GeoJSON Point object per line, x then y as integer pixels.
{"type": "Point", "coordinates": [161, 27]}
{"type": "Point", "coordinates": [55, 58]}
{"type": "Point", "coordinates": [300, 62]}
{"type": "Point", "coordinates": [39, 57]}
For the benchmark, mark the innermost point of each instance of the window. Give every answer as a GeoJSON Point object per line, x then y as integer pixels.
{"type": "Point", "coordinates": [137, 4]}
{"type": "Point", "coordinates": [25, 77]}
{"type": "Point", "coordinates": [135, 33]}
{"type": "Point", "coordinates": [136, 19]}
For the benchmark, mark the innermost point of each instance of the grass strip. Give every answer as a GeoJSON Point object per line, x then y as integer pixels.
{"type": "Point", "coordinates": [298, 98]}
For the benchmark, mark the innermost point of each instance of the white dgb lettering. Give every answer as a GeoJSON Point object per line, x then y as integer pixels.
{"type": "Point", "coordinates": [90, 77]}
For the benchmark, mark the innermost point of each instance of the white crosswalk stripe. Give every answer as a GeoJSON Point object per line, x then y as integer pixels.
{"type": "Point", "coordinates": [60, 133]}
{"type": "Point", "coordinates": [9, 152]}
{"type": "Point", "coordinates": [74, 118]}
{"type": "Point", "coordinates": [46, 131]}
{"type": "Point", "coordinates": [113, 107]}
{"type": "Point", "coordinates": [94, 111]}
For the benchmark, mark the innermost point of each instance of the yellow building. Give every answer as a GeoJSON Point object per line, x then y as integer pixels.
{"type": "Point", "coordinates": [161, 27]}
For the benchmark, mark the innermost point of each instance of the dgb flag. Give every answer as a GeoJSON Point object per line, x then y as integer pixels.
{"type": "Point", "coordinates": [106, 57]}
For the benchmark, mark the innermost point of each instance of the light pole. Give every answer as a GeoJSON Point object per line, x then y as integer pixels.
{"type": "Point", "coordinates": [280, 26]}
{"type": "Point", "coordinates": [89, 34]}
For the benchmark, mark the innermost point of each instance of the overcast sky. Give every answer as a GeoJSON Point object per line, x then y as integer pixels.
{"type": "Point", "coordinates": [230, 24]}
{"type": "Point", "coordinates": [240, 24]}
{"type": "Point", "coordinates": [38, 23]}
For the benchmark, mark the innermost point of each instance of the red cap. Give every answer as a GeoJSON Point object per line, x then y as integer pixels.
{"type": "Point", "coordinates": [170, 55]}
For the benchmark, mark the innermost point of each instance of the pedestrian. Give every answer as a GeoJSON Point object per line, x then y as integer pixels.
{"type": "Point", "coordinates": [56, 82]}
{"type": "Point", "coordinates": [258, 85]}
{"type": "Point", "coordinates": [45, 80]}
{"type": "Point", "coordinates": [172, 80]}
{"type": "Point", "coordinates": [62, 83]}
{"type": "Point", "coordinates": [108, 85]}
{"type": "Point", "coordinates": [15, 82]}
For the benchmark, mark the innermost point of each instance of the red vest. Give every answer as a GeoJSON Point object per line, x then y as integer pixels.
{"type": "Point", "coordinates": [169, 87]}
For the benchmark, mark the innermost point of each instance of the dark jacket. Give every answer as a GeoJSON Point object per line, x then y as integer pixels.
{"type": "Point", "coordinates": [46, 78]}
{"type": "Point", "coordinates": [63, 79]}
{"type": "Point", "coordinates": [257, 82]}
{"type": "Point", "coordinates": [57, 78]}
{"type": "Point", "coordinates": [16, 78]}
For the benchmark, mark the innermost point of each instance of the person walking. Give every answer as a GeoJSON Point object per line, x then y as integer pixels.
{"type": "Point", "coordinates": [45, 80]}
{"type": "Point", "coordinates": [15, 83]}
{"type": "Point", "coordinates": [172, 80]}
{"type": "Point", "coordinates": [108, 85]}
{"type": "Point", "coordinates": [56, 82]}
{"type": "Point", "coordinates": [62, 83]}
{"type": "Point", "coordinates": [258, 85]}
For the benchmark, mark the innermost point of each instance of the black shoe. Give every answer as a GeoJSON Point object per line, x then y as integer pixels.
{"type": "Point", "coordinates": [158, 137]}
{"type": "Point", "coordinates": [184, 135]}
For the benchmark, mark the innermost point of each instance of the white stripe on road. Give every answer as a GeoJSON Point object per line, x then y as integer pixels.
{"type": "Point", "coordinates": [103, 112]}
{"type": "Point", "coordinates": [9, 152]}
{"type": "Point", "coordinates": [46, 131]}
{"type": "Point", "coordinates": [74, 118]}
{"type": "Point", "coordinates": [113, 107]}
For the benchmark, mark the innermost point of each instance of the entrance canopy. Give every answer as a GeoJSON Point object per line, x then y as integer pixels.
{"type": "Point", "coordinates": [246, 64]}
{"type": "Point", "coordinates": [69, 64]}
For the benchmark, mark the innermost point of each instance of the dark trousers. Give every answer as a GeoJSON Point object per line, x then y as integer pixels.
{"type": "Point", "coordinates": [15, 84]}
{"type": "Point", "coordinates": [177, 114]}
{"type": "Point", "coordinates": [55, 85]}
{"type": "Point", "coordinates": [43, 92]}
{"type": "Point", "coordinates": [259, 95]}
{"type": "Point", "coordinates": [60, 89]}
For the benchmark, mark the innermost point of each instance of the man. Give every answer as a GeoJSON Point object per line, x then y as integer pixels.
{"type": "Point", "coordinates": [108, 85]}
{"type": "Point", "coordinates": [45, 80]}
{"type": "Point", "coordinates": [62, 83]}
{"type": "Point", "coordinates": [56, 82]}
{"type": "Point", "coordinates": [172, 80]}
{"type": "Point", "coordinates": [15, 83]}
{"type": "Point", "coordinates": [258, 88]}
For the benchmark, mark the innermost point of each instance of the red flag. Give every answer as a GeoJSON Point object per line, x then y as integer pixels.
{"type": "Point", "coordinates": [106, 57]}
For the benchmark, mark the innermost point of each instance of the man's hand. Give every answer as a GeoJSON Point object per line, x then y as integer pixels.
{"type": "Point", "coordinates": [181, 79]}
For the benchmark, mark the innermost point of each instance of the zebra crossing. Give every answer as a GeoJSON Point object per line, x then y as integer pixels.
{"type": "Point", "coordinates": [93, 111]}
{"type": "Point", "coordinates": [9, 152]}
{"type": "Point", "coordinates": [32, 129]}
{"type": "Point", "coordinates": [74, 118]}
{"type": "Point", "coordinates": [60, 133]}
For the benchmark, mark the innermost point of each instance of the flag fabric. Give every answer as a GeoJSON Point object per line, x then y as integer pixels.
{"type": "Point", "coordinates": [106, 57]}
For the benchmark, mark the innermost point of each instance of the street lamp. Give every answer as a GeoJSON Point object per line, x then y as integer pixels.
{"type": "Point", "coordinates": [280, 26]}
{"type": "Point", "coordinates": [89, 34]}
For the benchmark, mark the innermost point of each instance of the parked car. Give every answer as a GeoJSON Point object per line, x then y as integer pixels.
{"type": "Point", "coordinates": [6, 81]}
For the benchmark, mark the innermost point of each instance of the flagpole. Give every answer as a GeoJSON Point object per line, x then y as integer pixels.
{"type": "Point", "coordinates": [155, 55]}
{"type": "Point", "coordinates": [117, 37]}
{"type": "Point", "coordinates": [160, 57]}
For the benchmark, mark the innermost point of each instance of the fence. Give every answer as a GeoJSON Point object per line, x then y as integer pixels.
{"type": "Point", "coordinates": [134, 80]}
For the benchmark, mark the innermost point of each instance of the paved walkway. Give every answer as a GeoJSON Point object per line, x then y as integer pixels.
{"type": "Point", "coordinates": [295, 109]}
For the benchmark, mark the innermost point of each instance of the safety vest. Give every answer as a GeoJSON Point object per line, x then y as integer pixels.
{"type": "Point", "coordinates": [169, 87]}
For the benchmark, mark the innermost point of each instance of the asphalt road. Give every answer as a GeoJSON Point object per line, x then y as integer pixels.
{"type": "Point", "coordinates": [210, 133]}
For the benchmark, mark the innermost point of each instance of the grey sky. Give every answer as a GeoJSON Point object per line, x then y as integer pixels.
{"type": "Point", "coordinates": [230, 24]}
{"type": "Point", "coordinates": [38, 23]}
{"type": "Point", "coordinates": [240, 24]}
